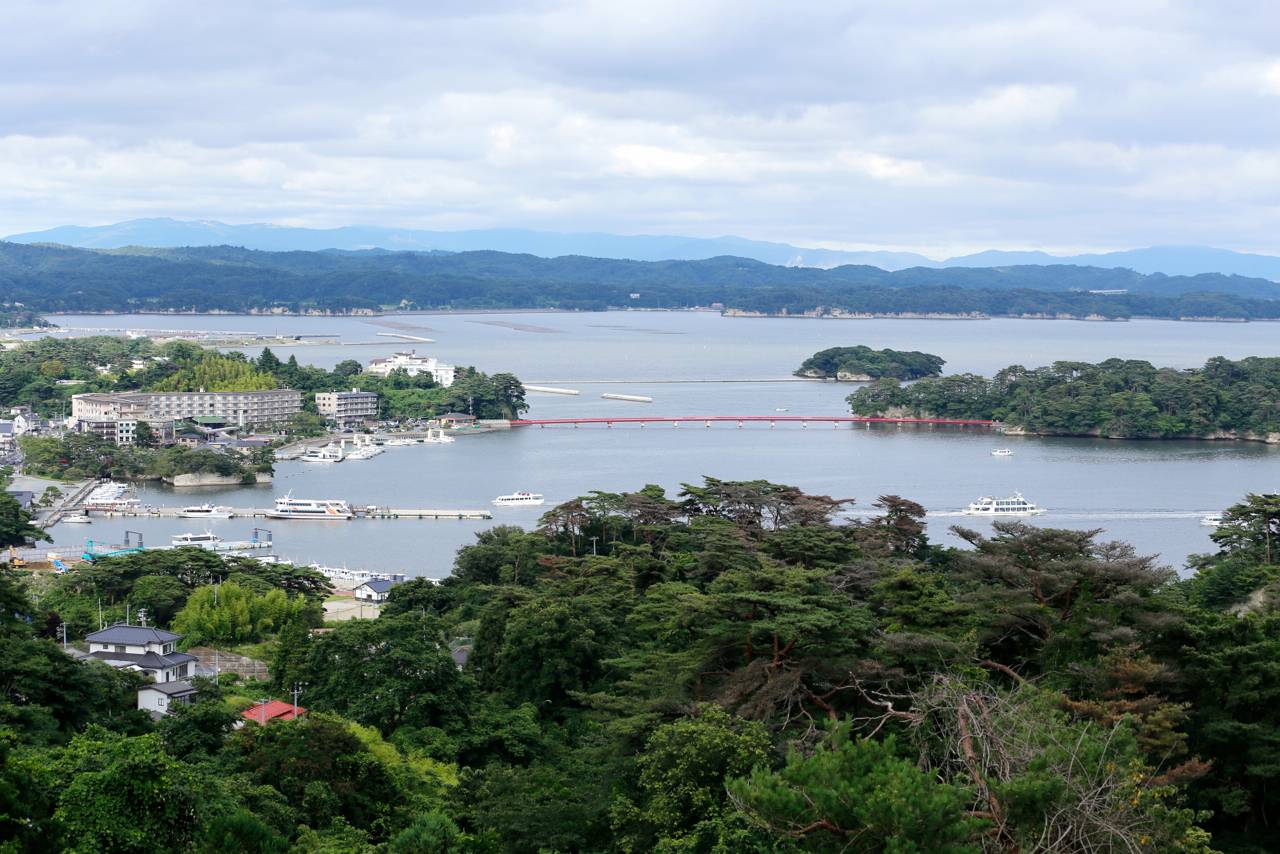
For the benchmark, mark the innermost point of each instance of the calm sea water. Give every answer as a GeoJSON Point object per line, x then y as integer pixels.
{"type": "Point", "coordinates": [1148, 493]}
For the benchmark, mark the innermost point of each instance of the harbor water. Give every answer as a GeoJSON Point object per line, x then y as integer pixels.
{"type": "Point", "coordinates": [1150, 494]}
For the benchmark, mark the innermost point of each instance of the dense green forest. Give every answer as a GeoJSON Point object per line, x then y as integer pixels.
{"type": "Point", "coordinates": [77, 456]}
{"type": "Point", "coordinates": [1118, 398]}
{"type": "Point", "coordinates": [736, 668]}
{"type": "Point", "coordinates": [54, 278]}
{"type": "Point", "coordinates": [30, 375]}
{"type": "Point", "coordinates": [861, 362]}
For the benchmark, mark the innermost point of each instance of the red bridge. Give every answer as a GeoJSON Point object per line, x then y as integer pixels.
{"type": "Point", "coordinates": [708, 420]}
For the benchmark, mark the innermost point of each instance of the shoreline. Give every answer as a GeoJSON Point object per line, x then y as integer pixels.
{"type": "Point", "coordinates": [736, 314]}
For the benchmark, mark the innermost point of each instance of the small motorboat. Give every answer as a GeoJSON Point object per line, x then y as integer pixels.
{"type": "Point", "coordinates": [77, 519]}
{"type": "Point", "coordinates": [1002, 452]}
{"type": "Point", "coordinates": [1211, 520]}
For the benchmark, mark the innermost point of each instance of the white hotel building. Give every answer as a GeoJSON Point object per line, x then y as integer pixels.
{"type": "Point", "coordinates": [413, 365]}
{"type": "Point", "coordinates": [115, 416]}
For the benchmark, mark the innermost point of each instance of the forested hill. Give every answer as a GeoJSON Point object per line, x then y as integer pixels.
{"type": "Point", "coordinates": [56, 278]}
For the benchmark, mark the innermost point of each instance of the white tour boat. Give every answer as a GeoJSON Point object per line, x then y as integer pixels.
{"type": "Point", "coordinates": [327, 454]}
{"type": "Point", "coordinates": [77, 519]}
{"type": "Point", "coordinates": [204, 511]}
{"type": "Point", "coordinates": [327, 509]}
{"type": "Point", "coordinates": [1211, 520]}
{"type": "Point", "coordinates": [207, 540]}
{"type": "Point", "coordinates": [519, 499]}
{"type": "Point", "coordinates": [363, 452]}
{"type": "Point", "coordinates": [112, 497]}
{"type": "Point", "coordinates": [1014, 505]}
{"type": "Point", "coordinates": [1002, 452]}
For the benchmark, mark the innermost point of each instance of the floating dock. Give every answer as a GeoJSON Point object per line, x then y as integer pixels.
{"type": "Point", "coordinates": [630, 398]}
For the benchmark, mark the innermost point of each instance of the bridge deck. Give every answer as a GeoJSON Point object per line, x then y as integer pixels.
{"type": "Point", "coordinates": [740, 419]}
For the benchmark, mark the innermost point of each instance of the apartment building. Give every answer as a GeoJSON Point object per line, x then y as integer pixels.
{"type": "Point", "coordinates": [347, 408]}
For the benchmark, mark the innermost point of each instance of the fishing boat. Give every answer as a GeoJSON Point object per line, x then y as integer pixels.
{"type": "Point", "coordinates": [519, 499]}
{"type": "Point", "coordinates": [1211, 520]}
{"type": "Point", "coordinates": [1014, 505]}
{"type": "Point", "coordinates": [325, 509]}
{"type": "Point", "coordinates": [1002, 452]}
{"type": "Point", "coordinates": [328, 454]}
{"type": "Point", "coordinates": [204, 511]}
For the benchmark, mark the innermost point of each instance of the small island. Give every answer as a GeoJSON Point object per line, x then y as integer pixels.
{"type": "Point", "coordinates": [863, 364]}
{"type": "Point", "coordinates": [1114, 399]}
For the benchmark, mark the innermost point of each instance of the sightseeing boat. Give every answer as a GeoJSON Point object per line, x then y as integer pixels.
{"type": "Point", "coordinates": [324, 509]}
{"type": "Point", "coordinates": [519, 499]}
{"type": "Point", "coordinates": [1014, 505]}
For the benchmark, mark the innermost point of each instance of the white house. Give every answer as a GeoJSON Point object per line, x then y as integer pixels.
{"type": "Point", "coordinates": [141, 648]}
{"type": "Point", "coordinates": [159, 699]}
{"type": "Point", "coordinates": [375, 591]}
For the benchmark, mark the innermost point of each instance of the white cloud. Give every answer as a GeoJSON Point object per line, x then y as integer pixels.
{"type": "Point", "coordinates": [924, 123]}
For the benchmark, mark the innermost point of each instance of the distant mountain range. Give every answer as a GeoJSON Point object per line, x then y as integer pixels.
{"type": "Point", "coordinates": [43, 277]}
{"type": "Point", "coordinates": [1170, 260]}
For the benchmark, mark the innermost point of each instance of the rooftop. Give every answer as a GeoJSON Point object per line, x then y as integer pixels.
{"type": "Point", "coordinates": [275, 710]}
{"type": "Point", "coordinates": [177, 688]}
{"type": "Point", "coordinates": [127, 634]}
{"type": "Point", "coordinates": [380, 585]}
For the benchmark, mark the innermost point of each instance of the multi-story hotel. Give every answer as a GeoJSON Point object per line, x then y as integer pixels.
{"type": "Point", "coordinates": [413, 364]}
{"type": "Point", "coordinates": [345, 408]}
{"type": "Point", "coordinates": [114, 416]}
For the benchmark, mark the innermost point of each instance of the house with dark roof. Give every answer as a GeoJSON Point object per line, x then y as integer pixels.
{"type": "Point", "coordinates": [272, 710]}
{"type": "Point", "coordinates": [160, 699]}
{"type": "Point", "coordinates": [375, 591]}
{"type": "Point", "coordinates": [25, 498]}
{"type": "Point", "coordinates": [143, 648]}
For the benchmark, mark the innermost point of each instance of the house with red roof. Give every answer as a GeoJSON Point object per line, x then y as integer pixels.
{"type": "Point", "coordinates": [272, 710]}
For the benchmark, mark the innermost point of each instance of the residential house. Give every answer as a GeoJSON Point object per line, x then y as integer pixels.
{"type": "Point", "coordinates": [25, 498]}
{"type": "Point", "coordinates": [8, 435]}
{"type": "Point", "coordinates": [456, 419]}
{"type": "Point", "coordinates": [141, 648]}
{"type": "Point", "coordinates": [375, 591]}
{"type": "Point", "coordinates": [272, 710]}
{"type": "Point", "coordinates": [159, 699]}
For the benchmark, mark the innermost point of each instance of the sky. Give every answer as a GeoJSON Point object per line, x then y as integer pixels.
{"type": "Point", "coordinates": [940, 127]}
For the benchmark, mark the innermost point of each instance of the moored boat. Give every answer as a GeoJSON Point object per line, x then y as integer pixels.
{"type": "Point", "coordinates": [328, 454]}
{"type": "Point", "coordinates": [325, 509]}
{"type": "Point", "coordinates": [204, 511]}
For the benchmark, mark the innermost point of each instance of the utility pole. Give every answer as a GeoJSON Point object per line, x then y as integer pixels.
{"type": "Point", "coordinates": [296, 692]}
{"type": "Point", "coordinates": [593, 545]}
{"type": "Point", "coordinates": [262, 709]}
{"type": "Point", "coordinates": [62, 633]}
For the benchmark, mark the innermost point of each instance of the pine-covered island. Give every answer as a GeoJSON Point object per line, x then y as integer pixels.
{"type": "Point", "coordinates": [863, 364]}
{"type": "Point", "coordinates": [1113, 399]}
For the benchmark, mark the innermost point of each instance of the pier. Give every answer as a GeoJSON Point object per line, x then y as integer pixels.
{"type": "Point", "coordinates": [362, 512]}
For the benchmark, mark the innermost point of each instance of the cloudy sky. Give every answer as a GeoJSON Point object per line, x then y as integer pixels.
{"type": "Point", "coordinates": [936, 126]}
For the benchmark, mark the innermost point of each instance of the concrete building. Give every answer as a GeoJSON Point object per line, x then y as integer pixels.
{"type": "Point", "coordinates": [346, 408]}
{"type": "Point", "coordinates": [115, 416]}
{"type": "Point", "coordinates": [413, 365]}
